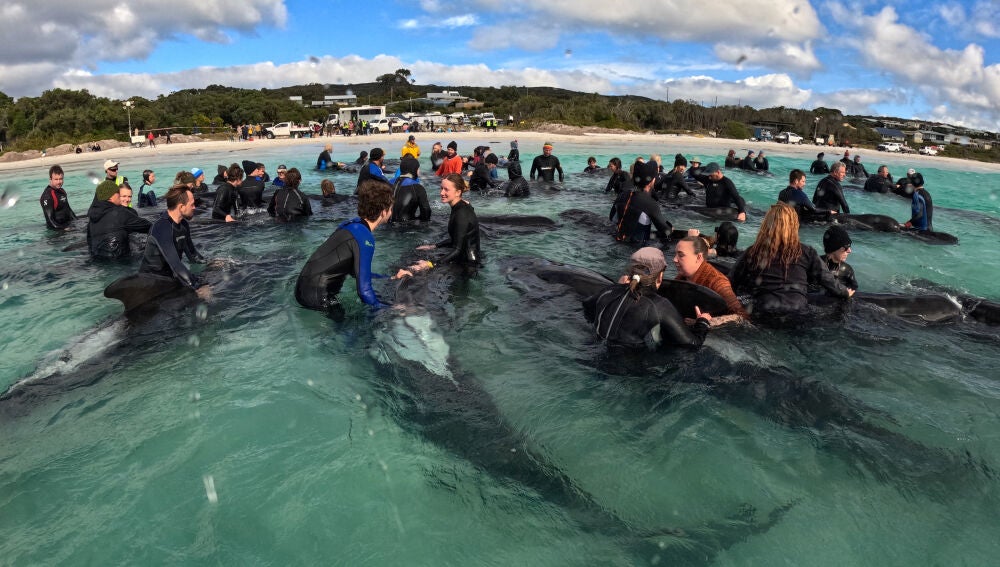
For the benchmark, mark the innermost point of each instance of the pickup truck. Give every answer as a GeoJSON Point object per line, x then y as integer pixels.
{"type": "Point", "coordinates": [788, 138]}
{"type": "Point", "coordinates": [890, 147]}
{"type": "Point", "coordinates": [930, 150]}
{"type": "Point", "coordinates": [286, 129]}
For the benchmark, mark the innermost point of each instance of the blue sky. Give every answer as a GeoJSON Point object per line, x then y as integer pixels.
{"type": "Point", "coordinates": [919, 59]}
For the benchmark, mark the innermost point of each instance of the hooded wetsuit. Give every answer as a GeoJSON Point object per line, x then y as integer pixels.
{"type": "Point", "coordinates": [647, 321]}
{"type": "Point", "coordinates": [348, 252]}
{"type": "Point", "coordinates": [289, 203]}
{"type": "Point", "coordinates": [108, 229]}
{"type": "Point", "coordinates": [410, 197]}
{"type": "Point", "coordinates": [518, 185]}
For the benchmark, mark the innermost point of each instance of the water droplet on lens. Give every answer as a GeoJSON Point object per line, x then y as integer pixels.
{"type": "Point", "coordinates": [357, 397]}
{"type": "Point", "coordinates": [9, 196]}
{"type": "Point", "coordinates": [309, 382]}
{"type": "Point", "coordinates": [94, 178]}
{"type": "Point", "coordinates": [6, 286]}
{"type": "Point", "coordinates": [213, 497]}
{"type": "Point", "coordinates": [194, 341]}
{"type": "Point", "coordinates": [201, 312]}
{"type": "Point", "coordinates": [195, 396]}
{"type": "Point", "coordinates": [371, 433]}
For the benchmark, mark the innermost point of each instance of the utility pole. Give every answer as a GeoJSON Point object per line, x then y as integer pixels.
{"type": "Point", "coordinates": [128, 104]}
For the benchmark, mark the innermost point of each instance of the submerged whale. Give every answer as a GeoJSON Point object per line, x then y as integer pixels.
{"type": "Point", "coordinates": [430, 393]}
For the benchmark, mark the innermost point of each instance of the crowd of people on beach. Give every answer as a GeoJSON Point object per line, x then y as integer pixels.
{"type": "Point", "coordinates": [774, 276]}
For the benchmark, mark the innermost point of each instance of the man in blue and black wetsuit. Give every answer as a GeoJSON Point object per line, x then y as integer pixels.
{"type": "Point", "coordinates": [795, 197]}
{"type": "Point", "coordinates": [373, 169]}
{"type": "Point", "coordinates": [922, 207]}
{"type": "Point", "coordinates": [348, 252]}
{"type": "Point", "coordinates": [169, 238]}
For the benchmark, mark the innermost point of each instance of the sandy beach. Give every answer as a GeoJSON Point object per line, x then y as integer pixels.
{"type": "Point", "coordinates": [347, 148]}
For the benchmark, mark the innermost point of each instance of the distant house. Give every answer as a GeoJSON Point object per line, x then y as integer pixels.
{"type": "Point", "coordinates": [297, 99]}
{"type": "Point", "coordinates": [890, 134]}
{"type": "Point", "coordinates": [928, 137]}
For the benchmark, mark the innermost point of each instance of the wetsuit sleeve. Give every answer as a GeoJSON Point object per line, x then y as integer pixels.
{"type": "Point", "coordinates": [223, 201]}
{"type": "Point", "coordinates": [819, 273]}
{"type": "Point", "coordinates": [741, 205]}
{"type": "Point", "coordinates": [307, 208]}
{"type": "Point", "coordinates": [843, 201]}
{"type": "Point", "coordinates": [363, 273]}
{"type": "Point", "coordinates": [271, 204]}
{"type": "Point", "coordinates": [918, 208]}
{"type": "Point", "coordinates": [190, 251]}
{"type": "Point", "coordinates": [663, 226]}
{"type": "Point", "coordinates": [136, 223]}
{"type": "Point", "coordinates": [49, 209]}
{"type": "Point", "coordinates": [423, 203]}
{"type": "Point", "coordinates": [162, 235]}
{"type": "Point", "coordinates": [559, 169]}
{"type": "Point", "coordinates": [534, 167]}
{"type": "Point", "coordinates": [673, 331]}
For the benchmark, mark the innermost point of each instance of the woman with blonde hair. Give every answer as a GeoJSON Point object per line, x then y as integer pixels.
{"type": "Point", "coordinates": [777, 268]}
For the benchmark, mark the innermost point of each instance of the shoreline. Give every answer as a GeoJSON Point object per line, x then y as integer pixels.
{"type": "Point", "coordinates": [528, 140]}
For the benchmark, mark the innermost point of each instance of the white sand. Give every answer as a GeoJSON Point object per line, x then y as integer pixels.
{"type": "Point", "coordinates": [530, 142]}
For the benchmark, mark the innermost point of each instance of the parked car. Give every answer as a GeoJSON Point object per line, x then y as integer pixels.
{"type": "Point", "coordinates": [788, 138]}
{"type": "Point", "coordinates": [890, 147]}
{"type": "Point", "coordinates": [930, 150]}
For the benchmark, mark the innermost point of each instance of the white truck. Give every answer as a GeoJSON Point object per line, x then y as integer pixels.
{"type": "Point", "coordinates": [287, 130]}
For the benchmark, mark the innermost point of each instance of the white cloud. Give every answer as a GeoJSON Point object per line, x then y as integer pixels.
{"type": "Point", "coordinates": [760, 92]}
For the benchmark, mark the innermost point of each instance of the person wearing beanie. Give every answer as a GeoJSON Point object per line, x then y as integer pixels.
{"type": "Point", "coordinates": [631, 315]}
{"type": "Point", "coordinates": [748, 162]}
{"type": "Point", "coordinates": [288, 203]}
{"type": "Point", "coordinates": [921, 206]}
{"type": "Point", "coordinates": [836, 248]}
{"type": "Point", "coordinates": [726, 237]}
{"type": "Point", "coordinates": [546, 165]}
{"type": "Point", "coordinates": [904, 187]}
{"type": "Point", "coordinates": [518, 185]}
{"type": "Point", "coordinates": [410, 196]}
{"type": "Point", "coordinates": [109, 224]}
{"type": "Point", "coordinates": [199, 180]}
{"type": "Point", "coordinates": [452, 162]}
{"type": "Point", "coordinates": [819, 166]}
{"type": "Point", "coordinates": [720, 191]}
{"type": "Point", "coordinates": [639, 213]}
{"type": "Point", "coordinates": [410, 148]}
{"type": "Point", "coordinates": [373, 170]}
{"type": "Point", "coordinates": [220, 175]}
{"type": "Point", "coordinates": [675, 180]}
{"type": "Point", "coordinates": [777, 269]}
{"type": "Point", "coordinates": [251, 191]}
{"type": "Point", "coordinates": [481, 179]}
{"type": "Point", "coordinates": [515, 153]}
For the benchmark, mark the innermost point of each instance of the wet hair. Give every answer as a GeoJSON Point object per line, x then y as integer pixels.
{"type": "Point", "coordinates": [657, 158]}
{"type": "Point", "coordinates": [777, 240]}
{"type": "Point", "coordinates": [184, 178]}
{"type": "Point", "coordinates": [177, 195]}
{"type": "Point", "coordinates": [591, 160]}
{"type": "Point", "coordinates": [637, 280]}
{"type": "Point", "coordinates": [234, 173]}
{"type": "Point", "coordinates": [837, 165]}
{"type": "Point", "coordinates": [698, 242]}
{"type": "Point", "coordinates": [145, 175]}
{"type": "Point", "coordinates": [732, 153]}
{"type": "Point", "coordinates": [376, 154]}
{"type": "Point", "coordinates": [292, 178]}
{"type": "Point", "coordinates": [374, 197]}
{"type": "Point", "coordinates": [615, 162]}
{"type": "Point", "coordinates": [363, 155]}
{"type": "Point", "coordinates": [795, 175]}
{"type": "Point", "coordinates": [881, 167]}
{"type": "Point", "coordinates": [492, 158]}
{"type": "Point", "coordinates": [726, 237]}
{"type": "Point", "coordinates": [55, 170]}
{"type": "Point", "coordinates": [327, 187]}
{"type": "Point", "coordinates": [458, 181]}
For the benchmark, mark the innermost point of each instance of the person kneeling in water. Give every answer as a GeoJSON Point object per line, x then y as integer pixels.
{"type": "Point", "coordinates": [837, 246]}
{"type": "Point", "coordinates": [169, 238]}
{"type": "Point", "coordinates": [349, 251]}
{"type": "Point", "coordinates": [689, 259]}
{"type": "Point", "coordinates": [633, 316]}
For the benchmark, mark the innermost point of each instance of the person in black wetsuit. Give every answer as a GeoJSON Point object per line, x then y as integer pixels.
{"type": "Point", "coordinates": [55, 202]}
{"type": "Point", "coordinates": [592, 166]}
{"type": "Point", "coordinates": [289, 203]}
{"type": "Point", "coordinates": [829, 195]}
{"type": "Point", "coordinates": [731, 160]}
{"type": "Point", "coordinates": [481, 178]}
{"type": "Point", "coordinates": [795, 197]}
{"type": "Point", "coordinates": [777, 268]}
{"type": "Point", "coordinates": [761, 163]}
{"type": "Point", "coordinates": [227, 198]}
{"type": "Point", "coordinates": [146, 197]}
{"type": "Point", "coordinates": [349, 252]}
{"type": "Point", "coordinates": [546, 165]}
{"type": "Point", "coordinates": [836, 248]}
{"type": "Point", "coordinates": [409, 196]}
{"type": "Point", "coordinates": [325, 160]}
{"type": "Point", "coordinates": [463, 226]}
{"type": "Point", "coordinates": [904, 186]}
{"type": "Point", "coordinates": [675, 180]}
{"type": "Point", "coordinates": [858, 169]}
{"type": "Point", "coordinates": [720, 191]}
{"type": "Point", "coordinates": [819, 166]}
{"type": "Point", "coordinates": [169, 238]}
{"type": "Point", "coordinates": [640, 212]}
{"type": "Point", "coordinates": [252, 189]}
{"type": "Point", "coordinates": [437, 156]}
{"type": "Point", "coordinates": [518, 185]}
{"type": "Point", "coordinates": [110, 224]}
{"type": "Point", "coordinates": [362, 158]}
{"type": "Point", "coordinates": [881, 182]}
{"type": "Point", "coordinates": [748, 162]}
{"type": "Point", "coordinates": [514, 154]}
{"type": "Point", "coordinates": [632, 316]}
{"type": "Point", "coordinates": [220, 177]}
{"type": "Point", "coordinates": [618, 181]}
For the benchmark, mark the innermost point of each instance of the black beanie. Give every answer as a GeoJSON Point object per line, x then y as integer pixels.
{"type": "Point", "coordinates": [679, 159]}
{"type": "Point", "coordinates": [453, 145]}
{"type": "Point", "coordinates": [835, 238]}
{"type": "Point", "coordinates": [644, 173]}
{"type": "Point", "coordinates": [409, 165]}
{"type": "Point", "coordinates": [917, 180]}
{"type": "Point", "coordinates": [492, 158]}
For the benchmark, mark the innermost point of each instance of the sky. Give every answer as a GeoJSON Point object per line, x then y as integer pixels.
{"type": "Point", "coordinates": [932, 61]}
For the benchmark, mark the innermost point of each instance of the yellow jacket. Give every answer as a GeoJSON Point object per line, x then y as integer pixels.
{"type": "Point", "coordinates": [411, 148]}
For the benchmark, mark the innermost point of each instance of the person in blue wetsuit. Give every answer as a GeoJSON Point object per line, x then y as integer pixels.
{"type": "Point", "coordinates": [922, 207]}
{"type": "Point", "coordinates": [169, 238]}
{"type": "Point", "coordinates": [348, 252]}
{"type": "Point", "coordinates": [632, 316]}
{"type": "Point", "coordinates": [795, 197]}
{"type": "Point", "coordinates": [373, 169]}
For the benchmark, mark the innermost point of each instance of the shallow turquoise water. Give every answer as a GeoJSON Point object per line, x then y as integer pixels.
{"type": "Point", "coordinates": [289, 418]}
